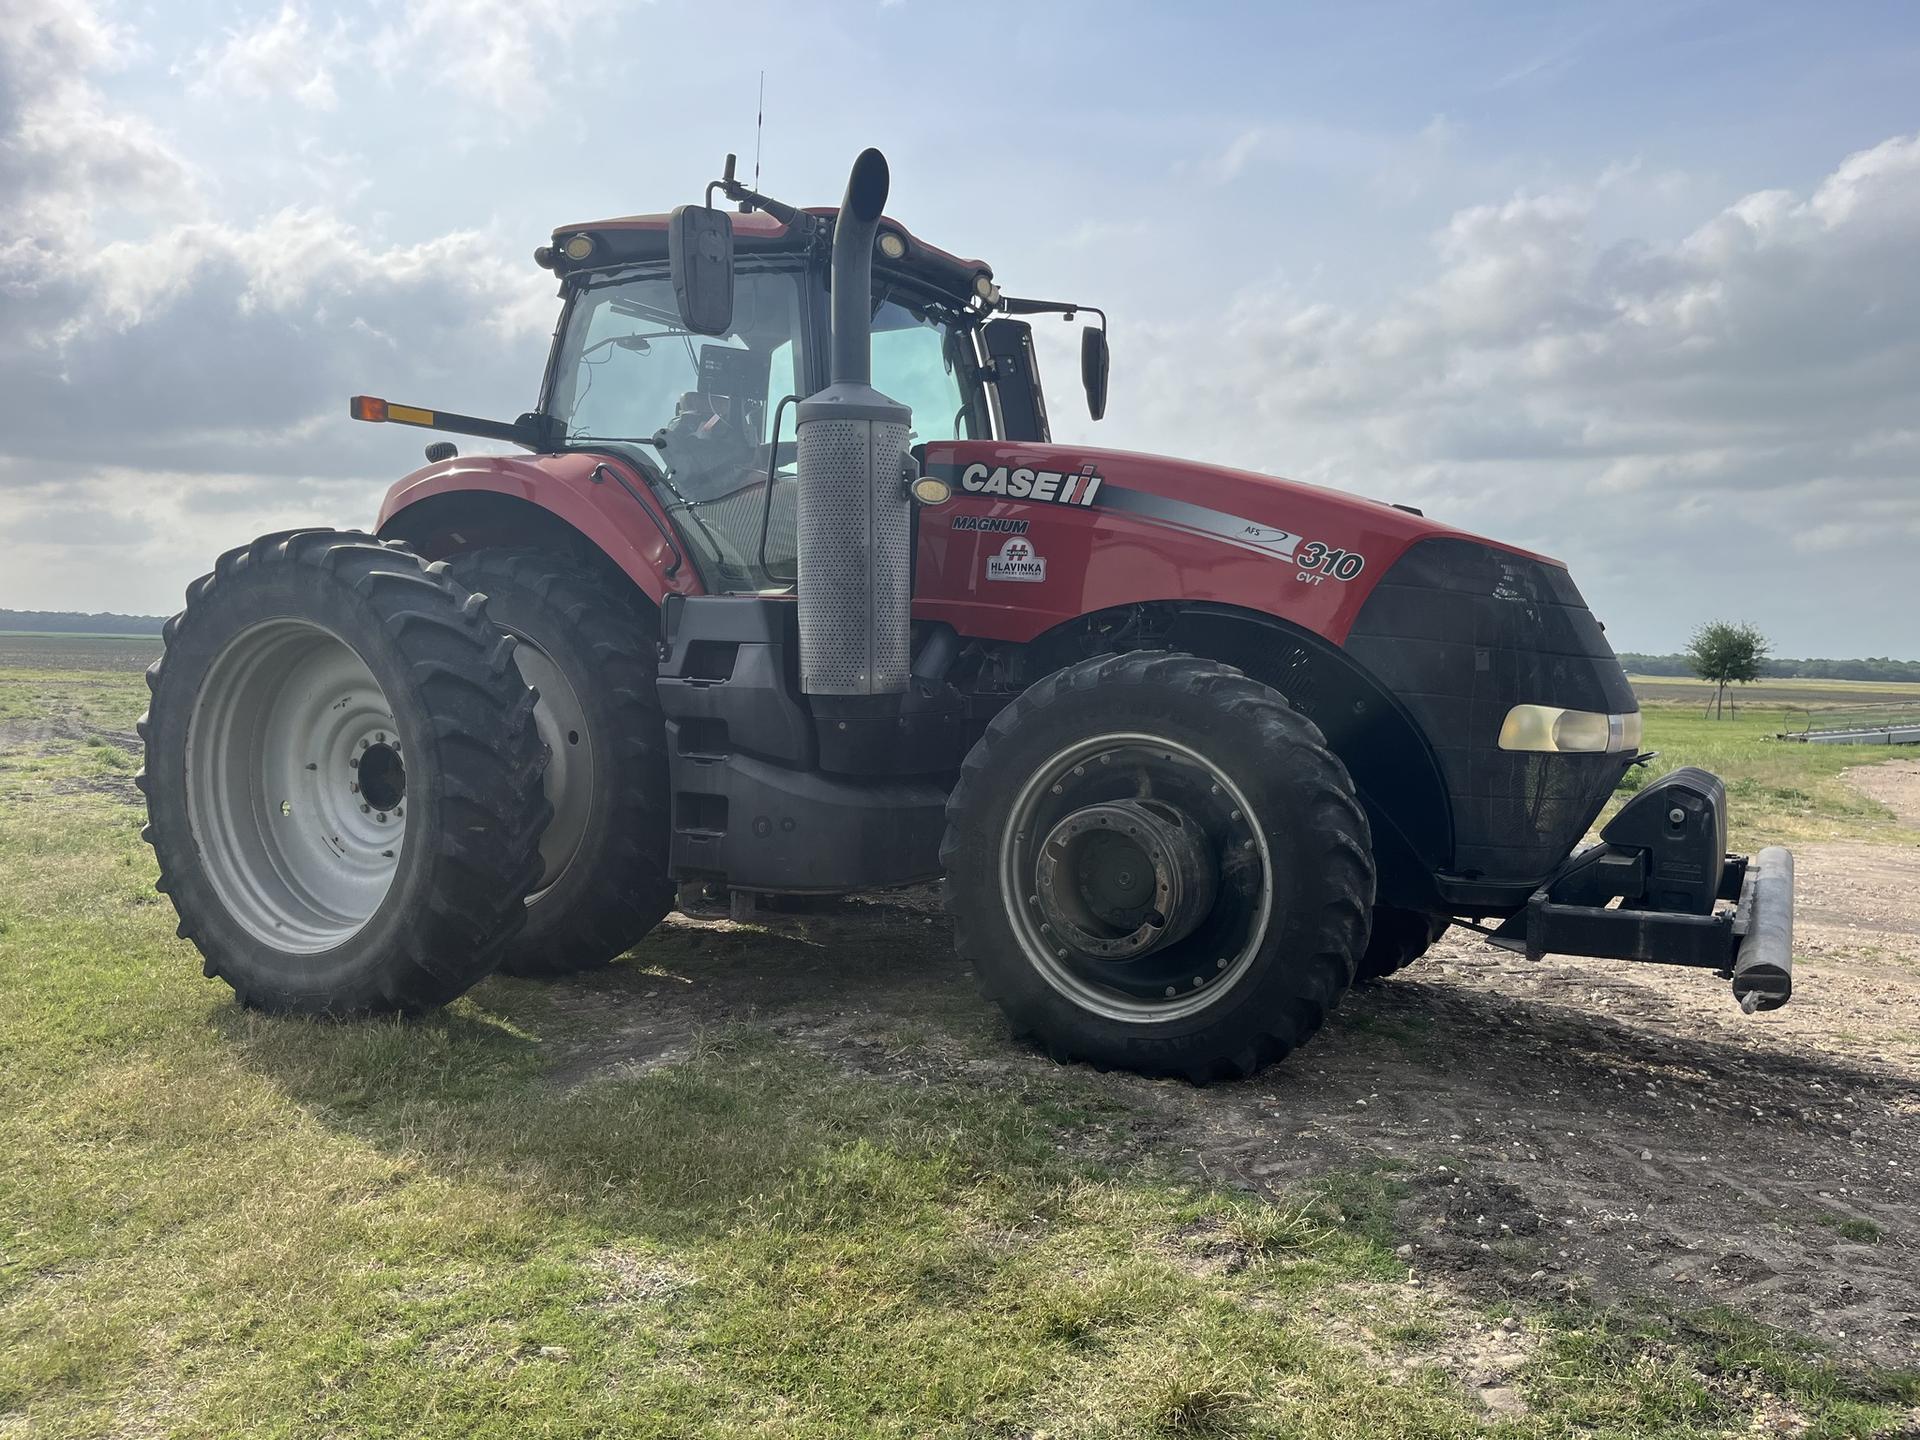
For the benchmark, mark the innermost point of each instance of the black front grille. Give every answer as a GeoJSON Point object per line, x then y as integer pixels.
{"type": "Point", "coordinates": [1462, 633]}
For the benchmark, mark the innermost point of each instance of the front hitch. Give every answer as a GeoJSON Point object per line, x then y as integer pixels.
{"type": "Point", "coordinates": [1663, 858]}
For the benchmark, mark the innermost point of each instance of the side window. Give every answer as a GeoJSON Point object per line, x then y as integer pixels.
{"type": "Point", "coordinates": [782, 381]}
{"type": "Point", "coordinates": [913, 363]}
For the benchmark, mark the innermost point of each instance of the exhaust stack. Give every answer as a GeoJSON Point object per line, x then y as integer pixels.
{"type": "Point", "coordinates": [855, 522]}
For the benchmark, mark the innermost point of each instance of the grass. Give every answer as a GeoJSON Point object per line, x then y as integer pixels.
{"type": "Point", "coordinates": [1849, 1227]}
{"type": "Point", "coordinates": [1778, 791]}
{"type": "Point", "coordinates": [215, 1223]}
{"type": "Point", "coordinates": [112, 653]}
{"type": "Point", "coordinates": [1689, 690]}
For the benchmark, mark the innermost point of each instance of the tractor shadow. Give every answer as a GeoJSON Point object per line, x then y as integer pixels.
{"type": "Point", "coordinates": [1580, 1139]}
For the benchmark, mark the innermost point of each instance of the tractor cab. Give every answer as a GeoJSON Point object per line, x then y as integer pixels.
{"type": "Point", "coordinates": [708, 418]}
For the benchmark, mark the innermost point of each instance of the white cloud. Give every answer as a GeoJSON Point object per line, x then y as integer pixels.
{"type": "Point", "coordinates": [283, 54]}
{"type": "Point", "coordinates": [264, 326]}
{"type": "Point", "coordinates": [63, 152]}
{"type": "Point", "coordinates": [1231, 162]}
{"type": "Point", "coordinates": [1624, 405]}
{"type": "Point", "coordinates": [505, 55]}
{"type": "Point", "coordinates": [501, 53]}
{"type": "Point", "coordinates": [186, 375]}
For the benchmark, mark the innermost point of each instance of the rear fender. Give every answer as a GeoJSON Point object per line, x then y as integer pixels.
{"type": "Point", "coordinates": [565, 500]}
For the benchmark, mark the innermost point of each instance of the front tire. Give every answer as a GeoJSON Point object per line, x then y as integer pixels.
{"type": "Point", "coordinates": [1154, 863]}
{"type": "Point", "coordinates": [591, 652]}
{"type": "Point", "coordinates": [1399, 938]}
{"type": "Point", "coordinates": [342, 777]}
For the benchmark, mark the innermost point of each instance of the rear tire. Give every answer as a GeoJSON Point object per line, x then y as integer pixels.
{"type": "Point", "coordinates": [1240, 804]}
{"type": "Point", "coordinates": [592, 653]}
{"type": "Point", "coordinates": [342, 777]}
{"type": "Point", "coordinates": [1399, 938]}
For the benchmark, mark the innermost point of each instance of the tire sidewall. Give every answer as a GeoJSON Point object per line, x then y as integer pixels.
{"type": "Point", "coordinates": [517, 608]}
{"type": "Point", "coordinates": [1247, 751]}
{"type": "Point", "coordinates": [348, 976]}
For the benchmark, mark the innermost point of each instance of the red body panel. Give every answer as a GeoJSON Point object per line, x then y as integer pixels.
{"type": "Point", "coordinates": [1101, 555]}
{"type": "Point", "coordinates": [600, 509]}
{"type": "Point", "coordinates": [1158, 529]}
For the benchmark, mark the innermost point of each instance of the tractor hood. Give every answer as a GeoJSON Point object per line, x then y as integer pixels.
{"type": "Point", "coordinates": [1242, 508]}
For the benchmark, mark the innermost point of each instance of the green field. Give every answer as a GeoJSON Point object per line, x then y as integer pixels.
{"type": "Point", "coordinates": [1824, 694]}
{"type": "Point", "coordinates": [1779, 792]}
{"type": "Point", "coordinates": [220, 1224]}
{"type": "Point", "coordinates": [112, 653]}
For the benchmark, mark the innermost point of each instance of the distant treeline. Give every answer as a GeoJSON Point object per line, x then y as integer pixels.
{"type": "Point", "coordinates": [71, 622]}
{"type": "Point", "coordinates": [1877, 667]}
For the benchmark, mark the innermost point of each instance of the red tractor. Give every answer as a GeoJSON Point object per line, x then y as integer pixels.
{"type": "Point", "coordinates": [794, 595]}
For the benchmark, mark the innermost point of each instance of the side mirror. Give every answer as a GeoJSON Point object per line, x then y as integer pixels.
{"type": "Point", "coordinates": [1094, 360]}
{"type": "Point", "coordinates": [700, 259]}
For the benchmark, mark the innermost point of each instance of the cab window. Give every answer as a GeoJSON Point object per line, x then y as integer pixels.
{"type": "Point", "coordinates": [924, 362]}
{"type": "Point", "coordinates": [693, 412]}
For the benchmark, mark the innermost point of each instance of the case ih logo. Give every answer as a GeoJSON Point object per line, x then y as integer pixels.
{"type": "Point", "coordinates": [1048, 486]}
{"type": "Point", "coordinates": [1016, 561]}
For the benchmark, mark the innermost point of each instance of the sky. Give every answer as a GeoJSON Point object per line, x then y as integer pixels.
{"type": "Point", "coordinates": [1633, 284]}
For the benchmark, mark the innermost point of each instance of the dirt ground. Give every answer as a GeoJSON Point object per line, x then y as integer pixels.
{"type": "Point", "coordinates": [1561, 1128]}
{"type": "Point", "coordinates": [1572, 1127]}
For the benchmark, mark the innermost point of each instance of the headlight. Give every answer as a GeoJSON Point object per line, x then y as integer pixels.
{"type": "Point", "coordinates": [1582, 732]}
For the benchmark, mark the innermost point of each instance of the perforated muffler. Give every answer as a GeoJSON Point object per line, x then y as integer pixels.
{"type": "Point", "coordinates": [854, 544]}
{"type": "Point", "coordinates": [855, 526]}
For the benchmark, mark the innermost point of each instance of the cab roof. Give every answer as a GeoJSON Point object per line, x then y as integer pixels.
{"type": "Point", "coordinates": [636, 239]}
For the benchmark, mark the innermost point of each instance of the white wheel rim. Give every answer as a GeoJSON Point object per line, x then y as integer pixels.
{"type": "Point", "coordinates": [299, 852]}
{"type": "Point", "coordinates": [562, 722]}
{"type": "Point", "coordinates": [1016, 888]}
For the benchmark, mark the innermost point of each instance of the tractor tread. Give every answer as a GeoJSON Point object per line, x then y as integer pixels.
{"type": "Point", "coordinates": [1324, 814]}
{"type": "Point", "coordinates": [622, 890]}
{"type": "Point", "coordinates": [476, 878]}
{"type": "Point", "coordinates": [1399, 938]}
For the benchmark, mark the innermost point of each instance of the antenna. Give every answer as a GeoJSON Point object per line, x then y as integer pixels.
{"type": "Point", "coordinates": [759, 124]}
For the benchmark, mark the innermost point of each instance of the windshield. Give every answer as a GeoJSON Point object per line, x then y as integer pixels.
{"type": "Point", "coordinates": [696, 409]}
{"type": "Point", "coordinates": [695, 412]}
{"type": "Point", "coordinates": [627, 369]}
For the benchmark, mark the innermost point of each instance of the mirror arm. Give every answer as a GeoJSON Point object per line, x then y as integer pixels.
{"type": "Point", "coordinates": [1011, 305]}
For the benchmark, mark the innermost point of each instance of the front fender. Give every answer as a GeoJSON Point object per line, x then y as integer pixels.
{"type": "Point", "coordinates": [478, 500]}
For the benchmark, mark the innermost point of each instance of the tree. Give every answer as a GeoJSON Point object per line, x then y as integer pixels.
{"type": "Point", "coordinates": [1726, 654]}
